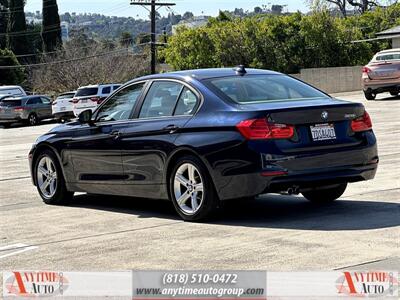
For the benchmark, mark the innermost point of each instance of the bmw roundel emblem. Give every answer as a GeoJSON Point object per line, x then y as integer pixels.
{"type": "Point", "coordinates": [324, 115]}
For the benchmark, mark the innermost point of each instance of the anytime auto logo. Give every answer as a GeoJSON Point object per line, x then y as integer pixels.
{"type": "Point", "coordinates": [368, 284]}
{"type": "Point", "coordinates": [36, 284]}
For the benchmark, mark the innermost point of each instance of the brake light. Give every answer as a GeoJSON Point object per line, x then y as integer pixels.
{"type": "Point", "coordinates": [366, 70]}
{"type": "Point", "coordinates": [257, 129]}
{"type": "Point", "coordinates": [19, 108]}
{"type": "Point", "coordinates": [96, 99]}
{"type": "Point", "coordinates": [363, 123]}
{"type": "Point", "coordinates": [75, 101]}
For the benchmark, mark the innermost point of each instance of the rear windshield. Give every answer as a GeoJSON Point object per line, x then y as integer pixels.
{"type": "Point", "coordinates": [263, 88]}
{"type": "Point", "coordinates": [65, 96]}
{"type": "Point", "coordinates": [388, 56]}
{"type": "Point", "coordinates": [87, 91]}
{"type": "Point", "coordinates": [11, 103]}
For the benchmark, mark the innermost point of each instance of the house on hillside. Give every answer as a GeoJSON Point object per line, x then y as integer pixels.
{"type": "Point", "coordinates": [195, 22]}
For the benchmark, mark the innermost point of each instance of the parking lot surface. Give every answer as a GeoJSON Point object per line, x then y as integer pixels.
{"type": "Point", "coordinates": [274, 232]}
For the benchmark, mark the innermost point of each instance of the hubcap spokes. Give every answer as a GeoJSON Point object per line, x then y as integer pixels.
{"type": "Point", "coordinates": [188, 188]}
{"type": "Point", "coordinates": [47, 177]}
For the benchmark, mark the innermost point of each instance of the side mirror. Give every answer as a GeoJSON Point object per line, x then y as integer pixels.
{"type": "Point", "coordinates": [85, 116]}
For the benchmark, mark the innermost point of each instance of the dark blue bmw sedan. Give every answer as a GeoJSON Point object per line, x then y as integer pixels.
{"type": "Point", "coordinates": [201, 137]}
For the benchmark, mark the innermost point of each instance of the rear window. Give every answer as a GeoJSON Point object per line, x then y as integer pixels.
{"type": "Point", "coordinates": [106, 90]}
{"type": "Point", "coordinates": [388, 56]}
{"type": "Point", "coordinates": [66, 96]}
{"type": "Point", "coordinates": [87, 92]}
{"type": "Point", "coordinates": [262, 88]}
{"type": "Point", "coordinates": [11, 103]}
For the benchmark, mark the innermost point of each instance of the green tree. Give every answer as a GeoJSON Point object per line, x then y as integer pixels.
{"type": "Point", "coordinates": [16, 29]}
{"type": "Point", "coordinates": [10, 76]}
{"type": "Point", "coordinates": [51, 30]}
{"type": "Point", "coordinates": [126, 39]}
{"type": "Point", "coordinates": [3, 22]}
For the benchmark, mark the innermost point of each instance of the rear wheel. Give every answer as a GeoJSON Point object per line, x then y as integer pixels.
{"type": "Point", "coordinates": [49, 179]}
{"type": "Point", "coordinates": [369, 95]}
{"type": "Point", "coordinates": [325, 194]}
{"type": "Point", "coordinates": [33, 119]}
{"type": "Point", "coordinates": [191, 190]}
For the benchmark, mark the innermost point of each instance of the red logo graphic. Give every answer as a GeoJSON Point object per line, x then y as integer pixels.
{"type": "Point", "coordinates": [36, 284]}
{"type": "Point", "coordinates": [363, 284]}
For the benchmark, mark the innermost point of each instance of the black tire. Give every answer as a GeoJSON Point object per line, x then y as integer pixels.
{"type": "Point", "coordinates": [6, 125]}
{"type": "Point", "coordinates": [325, 194]}
{"type": "Point", "coordinates": [369, 95]}
{"type": "Point", "coordinates": [210, 202]}
{"type": "Point", "coordinates": [33, 119]}
{"type": "Point", "coordinates": [394, 94]}
{"type": "Point", "coordinates": [61, 195]}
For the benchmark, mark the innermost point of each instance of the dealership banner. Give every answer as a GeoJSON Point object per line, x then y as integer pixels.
{"type": "Point", "coordinates": [149, 285]}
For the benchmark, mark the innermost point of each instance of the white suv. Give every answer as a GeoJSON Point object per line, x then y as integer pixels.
{"type": "Point", "coordinates": [89, 97]}
{"type": "Point", "coordinates": [62, 106]}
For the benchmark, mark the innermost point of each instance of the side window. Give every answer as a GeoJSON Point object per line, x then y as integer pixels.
{"type": "Point", "coordinates": [161, 99]}
{"type": "Point", "coordinates": [33, 101]}
{"type": "Point", "coordinates": [106, 90]}
{"type": "Point", "coordinates": [187, 103]}
{"type": "Point", "coordinates": [120, 105]}
{"type": "Point", "coordinates": [115, 87]}
{"type": "Point", "coordinates": [45, 100]}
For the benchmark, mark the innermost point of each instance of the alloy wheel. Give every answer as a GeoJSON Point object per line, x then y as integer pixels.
{"type": "Point", "coordinates": [46, 175]}
{"type": "Point", "coordinates": [188, 188]}
{"type": "Point", "coordinates": [32, 119]}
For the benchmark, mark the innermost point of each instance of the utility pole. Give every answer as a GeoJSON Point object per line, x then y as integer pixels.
{"type": "Point", "coordinates": [153, 7]}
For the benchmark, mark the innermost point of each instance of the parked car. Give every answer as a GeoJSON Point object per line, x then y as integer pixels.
{"type": "Point", "coordinates": [89, 97]}
{"type": "Point", "coordinates": [29, 109]}
{"type": "Point", "coordinates": [62, 107]}
{"type": "Point", "coordinates": [201, 137]}
{"type": "Point", "coordinates": [13, 90]}
{"type": "Point", "coordinates": [382, 74]}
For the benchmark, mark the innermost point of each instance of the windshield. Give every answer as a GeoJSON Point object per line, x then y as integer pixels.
{"type": "Point", "coordinates": [263, 88]}
{"type": "Point", "coordinates": [86, 92]}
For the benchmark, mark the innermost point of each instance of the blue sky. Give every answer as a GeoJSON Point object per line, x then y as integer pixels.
{"type": "Point", "coordinates": [122, 7]}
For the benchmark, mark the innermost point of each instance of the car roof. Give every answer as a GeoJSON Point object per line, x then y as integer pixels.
{"type": "Point", "coordinates": [10, 87]}
{"type": "Point", "coordinates": [202, 74]}
{"type": "Point", "coordinates": [65, 93]}
{"type": "Point", "coordinates": [97, 85]}
{"type": "Point", "coordinates": [389, 50]}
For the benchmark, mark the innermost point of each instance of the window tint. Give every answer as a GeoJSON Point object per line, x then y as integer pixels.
{"type": "Point", "coordinates": [86, 92]}
{"type": "Point", "coordinates": [116, 86]}
{"type": "Point", "coordinates": [187, 103]}
{"type": "Point", "coordinates": [161, 99]}
{"type": "Point", "coordinates": [106, 90]}
{"type": "Point", "coordinates": [11, 103]}
{"type": "Point", "coordinates": [263, 88]}
{"type": "Point", "coordinates": [45, 100]}
{"type": "Point", "coordinates": [120, 105]}
{"type": "Point", "coordinates": [34, 101]}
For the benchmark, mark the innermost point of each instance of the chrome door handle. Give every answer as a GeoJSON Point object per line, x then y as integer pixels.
{"type": "Point", "coordinates": [116, 134]}
{"type": "Point", "coordinates": [171, 128]}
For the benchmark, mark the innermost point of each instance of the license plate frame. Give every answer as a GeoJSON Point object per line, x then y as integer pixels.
{"type": "Point", "coordinates": [323, 132]}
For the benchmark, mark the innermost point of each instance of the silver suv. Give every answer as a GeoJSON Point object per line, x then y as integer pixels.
{"type": "Point", "coordinates": [29, 109]}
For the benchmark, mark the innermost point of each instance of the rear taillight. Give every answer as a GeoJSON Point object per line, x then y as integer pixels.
{"type": "Point", "coordinates": [257, 129]}
{"type": "Point", "coordinates": [363, 123]}
{"type": "Point", "coordinates": [74, 101]}
{"type": "Point", "coordinates": [366, 70]}
{"type": "Point", "coordinates": [19, 108]}
{"type": "Point", "coordinates": [96, 99]}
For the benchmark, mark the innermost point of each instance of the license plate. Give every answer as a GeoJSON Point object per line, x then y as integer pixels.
{"type": "Point", "coordinates": [63, 108]}
{"type": "Point", "coordinates": [322, 132]}
{"type": "Point", "coordinates": [84, 101]}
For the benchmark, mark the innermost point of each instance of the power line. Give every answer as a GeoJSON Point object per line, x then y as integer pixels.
{"type": "Point", "coordinates": [66, 60]}
{"type": "Point", "coordinates": [153, 6]}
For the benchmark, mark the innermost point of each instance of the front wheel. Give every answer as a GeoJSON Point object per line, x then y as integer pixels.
{"type": "Point", "coordinates": [191, 190]}
{"type": "Point", "coordinates": [49, 179]}
{"type": "Point", "coordinates": [325, 194]}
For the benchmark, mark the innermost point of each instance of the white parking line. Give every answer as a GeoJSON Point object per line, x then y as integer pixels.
{"type": "Point", "coordinates": [19, 248]}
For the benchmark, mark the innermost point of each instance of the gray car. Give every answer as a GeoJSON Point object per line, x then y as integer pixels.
{"type": "Point", "coordinates": [29, 109]}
